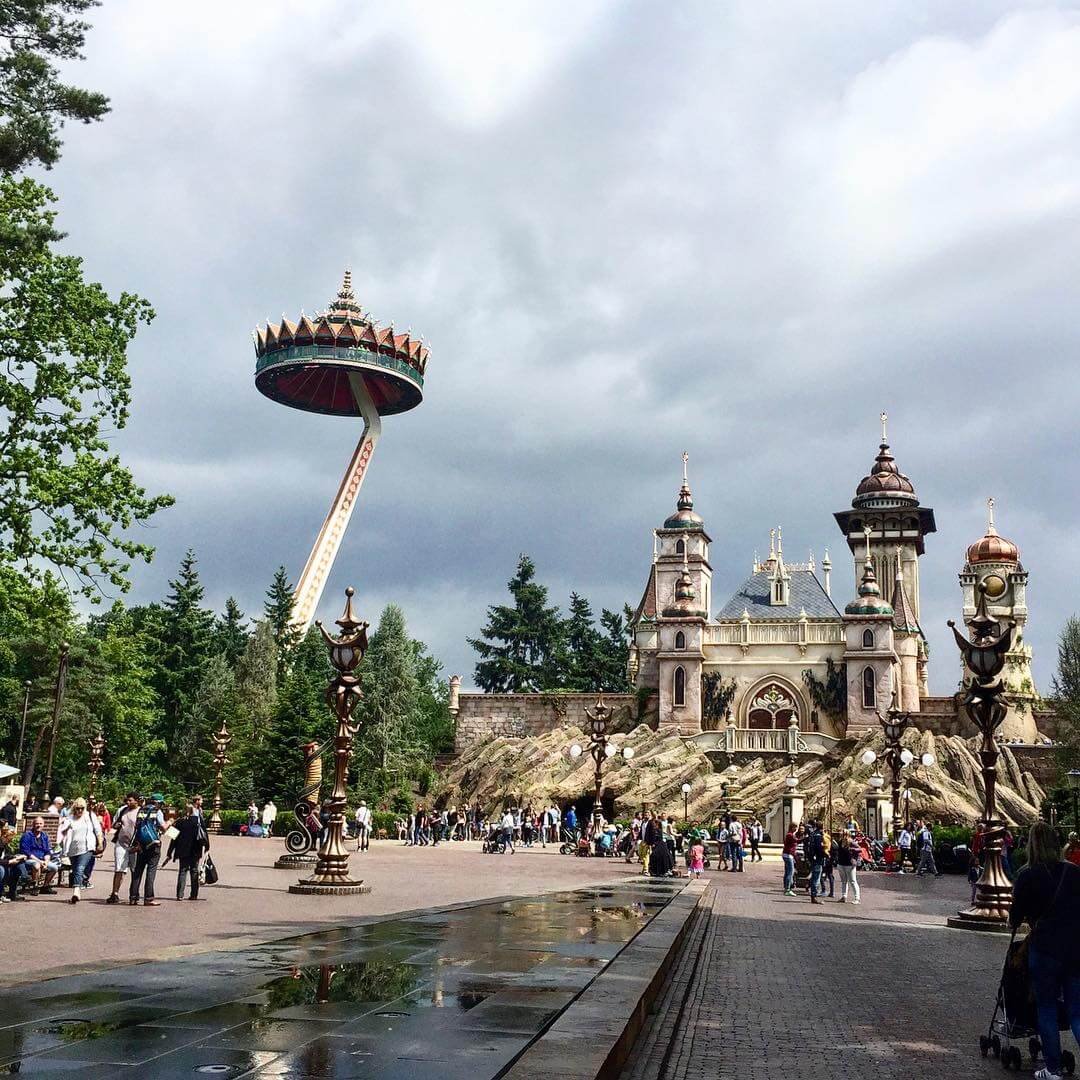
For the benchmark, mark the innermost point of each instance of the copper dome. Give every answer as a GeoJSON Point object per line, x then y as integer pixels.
{"type": "Point", "coordinates": [886, 479]}
{"type": "Point", "coordinates": [993, 548]}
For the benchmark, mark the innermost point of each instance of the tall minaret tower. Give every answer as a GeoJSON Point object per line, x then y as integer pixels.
{"type": "Point", "coordinates": [886, 503]}
{"type": "Point", "coordinates": [995, 561]}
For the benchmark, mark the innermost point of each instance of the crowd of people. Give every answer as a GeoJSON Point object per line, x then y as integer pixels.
{"type": "Point", "coordinates": [31, 863]}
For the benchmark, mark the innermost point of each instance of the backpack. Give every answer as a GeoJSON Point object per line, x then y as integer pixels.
{"type": "Point", "coordinates": [146, 834]}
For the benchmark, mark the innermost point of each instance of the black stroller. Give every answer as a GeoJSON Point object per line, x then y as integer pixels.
{"type": "Point", "coordinates": [494, 843]}
{"type": "Point", "coordinates": [1014, 1015]}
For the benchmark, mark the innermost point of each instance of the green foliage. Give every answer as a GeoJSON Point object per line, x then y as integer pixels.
{"type": "Point", "coordinates": [829, 696]}
{"type": "Point", "coordinates": [34, 103]}
{"type": "Point", "coordinates": [231, 632]}
{"type": "Point", "coordinates": [278, 613]}
{"type": "Point", "coordinates": [529, 647]}
{"type": "Point", "coordinates": [1066, 694]}
{"type": "Point", "coordinates": [65, 497]}
{"type": "Point", "coordinates": [716, 696]}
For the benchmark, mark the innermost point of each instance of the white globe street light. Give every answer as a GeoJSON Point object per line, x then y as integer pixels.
{"type": "Point", "coordinates": [927, 760]}
{"type": "Point", "coordinates": [575, 751]}
{"type": "Point", "coordinates": [906, 756]}
{"type": "Point", "coordinates": [868, 757]}
{"type": "Point", "coordinates": [685, 798]}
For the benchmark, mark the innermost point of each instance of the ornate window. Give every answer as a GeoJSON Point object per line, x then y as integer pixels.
{"type": "Point", "coordinates": [869, 688]}
{"type": "Point", "coordinates": [680, 641]}
{"type": "Point", "coordinates": [772, 707]}
{"type": "Point", "coordinates": [679, 696]}
{"type": "Point", "coordinates": [680, 547]}
{"type": "Point", "coordinates": [868, 639]}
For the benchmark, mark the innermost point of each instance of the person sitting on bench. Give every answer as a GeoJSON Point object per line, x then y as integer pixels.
{"type": "Point", "coordinates": [41, 860]}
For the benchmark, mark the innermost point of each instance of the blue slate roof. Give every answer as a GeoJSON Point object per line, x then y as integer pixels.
{"type": "Point", "coordinates": [805, 594]}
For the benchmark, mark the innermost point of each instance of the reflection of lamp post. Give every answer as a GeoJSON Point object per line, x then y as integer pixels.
{"type": "Point", "coordinates": [97, 747]}
{"type": "Point", "coordinates": [600, 748]}
{"type": "Point", "coordinates": [685, 797]}
{"type": "Point", "coordinates": [58, 703]}
{"type": "Point", "coordinates": [346, 651]}
{"type": "Point", "coordinates": [984, 656]}
{"type": "Point", "coordinates": [221, 744]}
{"type": "Point", "coordinates": [22, 726]}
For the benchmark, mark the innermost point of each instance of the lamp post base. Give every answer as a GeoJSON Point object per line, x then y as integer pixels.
{"type": "Point", "coordinates": [973, 920]}
{"type": "Point", "coordinates": [993, 897]}
{"type": "Point", "coordinates": [295, 862]}
{"type": "Point", "coordinates": [316, 887]}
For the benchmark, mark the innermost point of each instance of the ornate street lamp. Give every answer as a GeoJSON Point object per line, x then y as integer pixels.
{"type": "Point", "coordinates": [342, 695]}
{"type": "Point", "coordinates": [685, 798]}
{"type": "Point", "coordinates": [893, 724]}
{"type": "Point", "coordinates": [984, 656]}
{"type": "Point", "coordinates": [58, 704]}
{"type": "Point", "coordinates": [221, 744]}
{"type": "Point", "coordinates": [97, 747]}
{"type": "Point", "coordinates": [22, 726]}
{"type": "Point", "coordinates": [600, 748]}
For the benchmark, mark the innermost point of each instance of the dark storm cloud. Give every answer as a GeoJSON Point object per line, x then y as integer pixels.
{"type": "Point", "coordinates": [626, 231]}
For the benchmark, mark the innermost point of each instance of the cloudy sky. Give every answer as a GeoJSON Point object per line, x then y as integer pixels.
{"type": "Point", "coordinates": [627, 229]}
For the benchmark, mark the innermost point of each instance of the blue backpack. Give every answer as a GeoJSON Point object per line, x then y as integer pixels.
{"type": "Point", "coordinates": [146, 833]}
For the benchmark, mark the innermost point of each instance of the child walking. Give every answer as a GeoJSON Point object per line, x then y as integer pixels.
{"type": "Point", "coordinates": [697, 857]}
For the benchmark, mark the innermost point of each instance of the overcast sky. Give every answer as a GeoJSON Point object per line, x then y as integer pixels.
{"type": "Point", "coordinates": [626, 229]}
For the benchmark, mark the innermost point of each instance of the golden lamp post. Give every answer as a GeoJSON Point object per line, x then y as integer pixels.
{"type": "Point", "coordinates": [984, 656]}
{"type": "Point", "coordinates": [221, 745]}
{"type": "Point", "coordinates": [331, 875]}
{"type": "Point", "coordinates": [97, 748]}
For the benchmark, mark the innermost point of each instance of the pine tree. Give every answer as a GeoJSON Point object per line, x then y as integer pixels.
{"type": "Point", "coordinates": [232, 635]}
{"type": "Point", "coordinates": [187, 640]}
{"type": "Point", "coordinates": [390, 708]}
{"type": "Point", "coordinates": [278, 612]}
{"type": "Point", "coordinates": [584, 659]}
{"type": "Point", "coordinates": [614, 652]}
{"type": "Point", "coordinates": [300, 716]}
{"type": "Point", "coordinates": [524, 647]}
{"type": "Point", "coordinates": [1066, 690]}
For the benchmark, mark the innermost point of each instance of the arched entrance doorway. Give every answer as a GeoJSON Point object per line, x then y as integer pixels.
{"type": "Point", "coordinates": [772, 705]}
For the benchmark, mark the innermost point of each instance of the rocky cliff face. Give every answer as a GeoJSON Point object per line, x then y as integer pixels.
{"type": "Point", "coordinates": [538, 769]}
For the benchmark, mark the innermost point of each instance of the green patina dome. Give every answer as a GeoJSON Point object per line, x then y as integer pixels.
{"type": "Point", "coordinates": [869, 600]}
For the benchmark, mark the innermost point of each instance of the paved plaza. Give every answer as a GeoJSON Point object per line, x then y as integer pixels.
{"type": "Point", "coordinates": [257, 981]}
{"type": "Point", "coordinates": [769, 987]}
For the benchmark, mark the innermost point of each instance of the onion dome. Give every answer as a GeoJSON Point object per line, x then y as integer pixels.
{"type": "Point", "coordinates": [992, 547]}
{"type": "Point", "coordinates": [869, 600]}
{"type": "Point", "coordinates": [884, 480]}
{"type": "Point", "coordinates": [307, 364]}
{"type": "Point", "coordinates": [684, 516]}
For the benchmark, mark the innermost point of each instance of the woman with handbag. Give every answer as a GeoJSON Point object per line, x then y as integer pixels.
{"type": "Point", "coordinates": [1046, 895]}
{"type": "Point", "coordinates": [187, 846]}
{"type": "Point", "coordinates": [80, 841]}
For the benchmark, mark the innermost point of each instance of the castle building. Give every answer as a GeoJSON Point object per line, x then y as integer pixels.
{"type": "Point", "coordinates": [779, 657]}
{"type": "Point", "coordinates": [782, 666]}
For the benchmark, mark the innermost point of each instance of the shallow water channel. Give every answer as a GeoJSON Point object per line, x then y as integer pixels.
{"type": "Point", "coordinates": [448, 995]}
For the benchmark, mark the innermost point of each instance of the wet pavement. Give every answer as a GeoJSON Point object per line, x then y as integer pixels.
{"type": "Point", "coordinates": [448, 995]}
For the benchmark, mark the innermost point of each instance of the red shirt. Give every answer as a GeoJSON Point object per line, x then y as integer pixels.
{"type": "Point", "coordinates": [789, 844]}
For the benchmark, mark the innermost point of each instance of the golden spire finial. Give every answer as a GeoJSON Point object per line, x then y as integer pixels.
{"type": "Point", "coordinates": [884, 427]}
{"type": "Point", "coordinates": [685, 460]}
{"type": "Point", "coordinates": [991, 531]}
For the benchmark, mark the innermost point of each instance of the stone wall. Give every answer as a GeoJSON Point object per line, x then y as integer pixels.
{"type": "Point", "coordinates": [483, 717]}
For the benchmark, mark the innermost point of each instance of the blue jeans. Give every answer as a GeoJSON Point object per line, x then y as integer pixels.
{"type": "Point", "coordinates": [789, 873]}
{"type": "Point", "coordinates": [1049, 980]}
{"type": "Point", "coordinates": [80, 868]}
{"type": "Point", "coordinates": [815, 877]}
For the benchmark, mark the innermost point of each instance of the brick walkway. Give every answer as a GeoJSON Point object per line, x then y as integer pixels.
{"type": "Point", "coordinates": [772, 988]}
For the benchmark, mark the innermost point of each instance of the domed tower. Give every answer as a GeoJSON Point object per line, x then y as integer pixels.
{"type": "Point", "coordinates": [994, 560]}
{"type": "Point", "coordinates": [885, 501]}
{"type": "Point", "coordinates": [672, 615]}
{"type": "Point", "coordinates": [870, 650]}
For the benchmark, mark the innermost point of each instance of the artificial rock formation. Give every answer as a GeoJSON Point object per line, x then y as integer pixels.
{"type": "Point", "coordinates": [534, 771]}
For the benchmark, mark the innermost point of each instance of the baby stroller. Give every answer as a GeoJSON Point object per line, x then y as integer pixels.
{"type": "Point", "coordinates": [1014, 1015]}
{"type": "Point", "coordinates": [494, 844]}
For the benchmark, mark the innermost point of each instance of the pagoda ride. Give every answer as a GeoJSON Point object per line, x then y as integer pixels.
{"type": "Point", "coordinates": [342, 364]}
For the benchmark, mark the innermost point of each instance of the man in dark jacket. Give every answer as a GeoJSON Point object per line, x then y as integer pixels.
{"type": "Point", "coordinates": [187, 846]}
